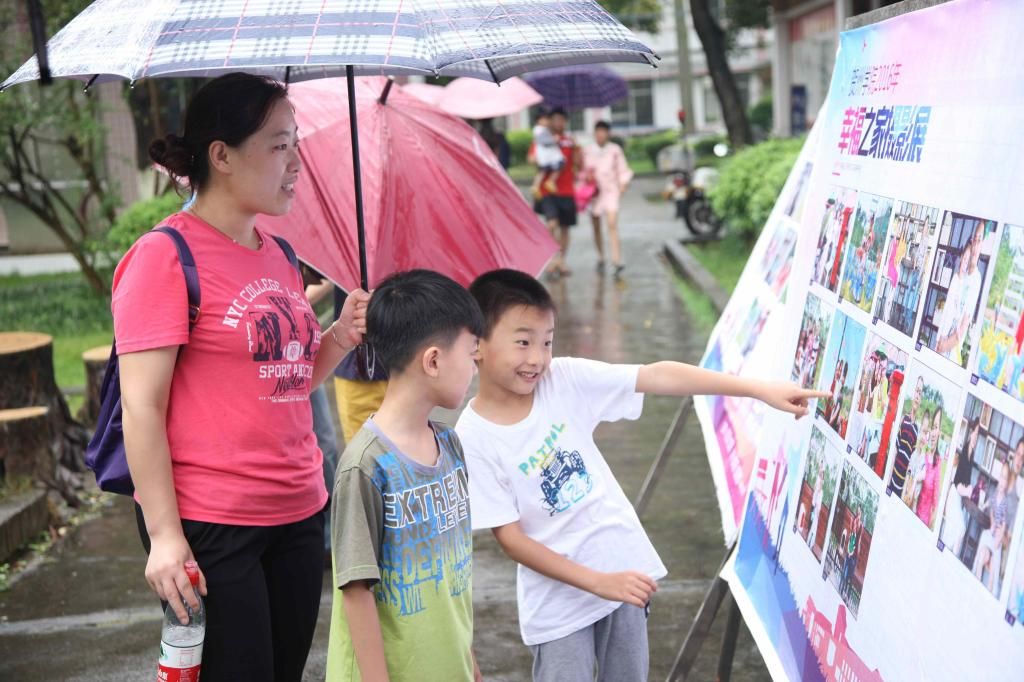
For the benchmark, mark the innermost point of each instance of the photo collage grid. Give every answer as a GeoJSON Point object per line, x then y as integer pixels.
{"type": "Point", "coordinates": [914, 327]}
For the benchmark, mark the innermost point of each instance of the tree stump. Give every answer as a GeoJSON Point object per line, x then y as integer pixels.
{"type": "Point", "coordinates": [95, 360]}
{"type": "Point", "coordinates": [27, 380]}
{"type": "Point", "coordinates": [26, 444]}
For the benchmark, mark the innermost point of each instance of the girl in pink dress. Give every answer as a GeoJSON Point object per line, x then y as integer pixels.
{"type": "Point", "coordinates": [926, 501]}
{"type": "Point", "coordinates": [607, 163]}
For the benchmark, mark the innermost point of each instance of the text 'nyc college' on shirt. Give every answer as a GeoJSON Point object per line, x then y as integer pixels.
{"type": "Point", "coordinates": [546, 473]}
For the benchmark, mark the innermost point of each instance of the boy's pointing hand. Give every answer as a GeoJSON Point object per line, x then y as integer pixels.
{"type": "Point", "coordinates": [789, 397]}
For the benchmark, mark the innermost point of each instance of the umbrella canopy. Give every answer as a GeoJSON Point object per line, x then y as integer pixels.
{"type": "Point", "coordinates": [431, 94]}
{"type": "Point", "coordinates": [579, 87]}
{"type": "Point", "coordinates": [435, 196]}
{"type": "Point", "coordinates": [300, 39]}
{"type": "Point", "coordinates": [476, 99]}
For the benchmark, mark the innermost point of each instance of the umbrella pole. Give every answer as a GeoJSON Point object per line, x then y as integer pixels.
{"type": "Point", "coordinates": [357, 177]}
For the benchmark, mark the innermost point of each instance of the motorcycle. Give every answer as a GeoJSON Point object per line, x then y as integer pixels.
{"type": "Point", "coordinates": [692, 205]}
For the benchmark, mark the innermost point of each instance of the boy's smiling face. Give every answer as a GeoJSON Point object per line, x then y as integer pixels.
{"type": "Point", "coordinates": [518, 351]}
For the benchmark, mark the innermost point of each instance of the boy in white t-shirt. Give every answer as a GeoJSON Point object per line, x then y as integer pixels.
{"type": "Point", "coordinates": [586, 567]}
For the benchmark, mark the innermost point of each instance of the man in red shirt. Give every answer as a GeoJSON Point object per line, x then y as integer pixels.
{"type": "Point", "coordinates": [559, 207]}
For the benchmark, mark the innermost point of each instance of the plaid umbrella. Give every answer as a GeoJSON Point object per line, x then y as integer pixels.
{"type": "Point", "coordinates": [301, 39]}
{"type": "Point", "coordinates": [579, 87]}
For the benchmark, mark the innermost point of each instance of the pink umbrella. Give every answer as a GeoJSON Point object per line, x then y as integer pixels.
{"type": "Point", "coordinates": [431, 94]}
{"type": "Point", "coordinates": [473, 98]}
{"type": "Point", "coordinates": [434, 194]}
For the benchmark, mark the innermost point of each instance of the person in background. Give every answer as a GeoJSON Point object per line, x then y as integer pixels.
{"type": "Point", "coordinates": [496, 141]}
{"type": "Point", "coordinates": [360, 382]}
{"type": "Point", "coordinates": [558, 204]}
{"type": "Point", "coordinates": [317, 288]}
{"type": "Point", "coordinates": [546, 155]}
{"type": "Point", "coordinates": [607, 162]}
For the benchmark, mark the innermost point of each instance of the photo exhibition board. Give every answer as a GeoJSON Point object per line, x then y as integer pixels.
{"type": "Point", "coordinates": [743, 343]}
{"type": "Point", "coordinates": [881, 537]}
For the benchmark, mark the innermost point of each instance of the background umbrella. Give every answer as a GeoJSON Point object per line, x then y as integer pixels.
{"type": "Point", "coordinates": [425, 92]}
{"type": "Point", "coordinates": [476, 99]}
{"type": "Point", "coordinates": [579, 87]}
{"type": "Point", "coordinates": [435, 194]}
{"type": "Point", "coordinates": [300, 39]}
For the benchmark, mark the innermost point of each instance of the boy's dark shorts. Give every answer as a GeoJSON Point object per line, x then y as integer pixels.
{"type": "Point", "coordinates": [554, 207]}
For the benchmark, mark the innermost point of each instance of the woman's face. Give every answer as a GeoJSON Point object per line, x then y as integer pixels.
{"type": "Point", "coordinates": [600, 135]}
{"type": "Point", "coordinates": [265, 167]}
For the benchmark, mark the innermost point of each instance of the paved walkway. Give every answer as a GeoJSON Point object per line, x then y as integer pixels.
{"type": "Point", "coordinates": [86, 613]}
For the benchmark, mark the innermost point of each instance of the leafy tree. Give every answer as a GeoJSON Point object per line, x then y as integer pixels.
{"type": "Point", "coordinates": [717, 37]}
{"type": "Point", "coordinates": [55, 131]}
{"type": "Point", "coordinates": [639, 15]}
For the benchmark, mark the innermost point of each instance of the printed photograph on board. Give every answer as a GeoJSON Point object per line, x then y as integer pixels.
{"type": "Point", "coordinates": [1001, 344]}
{"type": "Point", "coordinates": [876, 402]}
{"type": "Point", "coordinates": [778, 258]}
{"type": "Point", "coordinates": [839, 371]}
{"type": "Point", "coordinates": [904, 266]}
{"type": "Point", "coordinates": [835, 229]}
{"type": "Point", "coordinates": [810, 347]}
{"type": "Point", "coordinates": [984, 491]}
{"type": "Point", "coordinates": [924, 439]}
{"type": "Point", "coordinates": [817, 492]}
{"type": "Point", "coordinates": [1016, 605]}
{"type": "Point", "coordinates": [863, 257]}
{"type": "Point", "coordinates": [849, 541]}
{"type": "Point", "coordinates": [795, 207]}
{"type": "Point", "coordinates": [953, 300]}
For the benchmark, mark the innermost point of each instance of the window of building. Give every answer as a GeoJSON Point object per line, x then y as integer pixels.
{"type": "Point", "coordinates": [637, 110]}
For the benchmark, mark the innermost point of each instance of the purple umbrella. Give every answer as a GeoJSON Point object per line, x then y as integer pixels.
{"type": "Point", "coordinates": [579, 87]}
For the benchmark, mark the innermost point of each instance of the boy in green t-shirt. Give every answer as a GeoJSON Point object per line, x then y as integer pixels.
{"type": "Point", "coordinates": [401, 537]}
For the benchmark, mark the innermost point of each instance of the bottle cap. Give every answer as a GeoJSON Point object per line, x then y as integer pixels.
{"type": "Point", "coordinates": [192, 571]}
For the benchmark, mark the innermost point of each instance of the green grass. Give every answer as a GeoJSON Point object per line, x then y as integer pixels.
{"type": "Point", "coordinates": [724, 259]}
{"type": "Point", "coordinates": [697, 303]}
{"type": "Point", "coordinates": [525, 172]}
{"type": "Point", "coordinates": [63, 306]}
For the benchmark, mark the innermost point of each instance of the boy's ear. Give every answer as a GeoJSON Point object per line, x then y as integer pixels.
{"type": "Point", "coordinates": [431, 361]}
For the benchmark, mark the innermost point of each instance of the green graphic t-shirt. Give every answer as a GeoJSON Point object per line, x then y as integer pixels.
{"type": "Point", "coordinates": [405, 527]}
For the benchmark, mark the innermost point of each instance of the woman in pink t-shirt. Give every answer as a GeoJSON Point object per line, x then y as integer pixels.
{"type": "Point", "coordinates": [217, 422]}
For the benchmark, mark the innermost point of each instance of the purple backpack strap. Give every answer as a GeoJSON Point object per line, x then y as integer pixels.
{"type": "Point", "coordinates": [105, 453]}
{"type": "Point", "coordinates": [188, 266]}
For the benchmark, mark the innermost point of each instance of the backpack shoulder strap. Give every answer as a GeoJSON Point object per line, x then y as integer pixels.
{"type": "Point", "coordinates": [288, 251]}
{"type": "Point", "coordinates": [188, 267]}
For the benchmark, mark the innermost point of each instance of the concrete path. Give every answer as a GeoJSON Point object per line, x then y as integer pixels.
{"type": "Point", "coordinates": [86, 613]}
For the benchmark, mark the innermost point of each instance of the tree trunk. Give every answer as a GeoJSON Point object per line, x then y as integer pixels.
{"type": "Point", "coordinates": [27, 380]}
{"type": "Point", "coordinates": [25, 444]}
{"type": "Point", "coordinates": [95, 361]}
{"type": "Point", "coordinates": [712, 38]}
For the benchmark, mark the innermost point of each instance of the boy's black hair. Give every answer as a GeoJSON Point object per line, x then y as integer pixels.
{"type": "Point", "coordinates": [603, 125]}
{"type": "Point", "coordinates": [558, 111]}
{"type": "Point", "coordinates": [498, 290]}
{"type": "Point", "coordinates": [410, 310]}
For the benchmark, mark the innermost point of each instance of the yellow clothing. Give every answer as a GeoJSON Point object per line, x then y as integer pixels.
{"type": "Point", "coordinates": [357, 400]}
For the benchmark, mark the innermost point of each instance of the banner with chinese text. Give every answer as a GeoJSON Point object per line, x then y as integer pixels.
{"type": "Point", "coordinates": [882, 536]}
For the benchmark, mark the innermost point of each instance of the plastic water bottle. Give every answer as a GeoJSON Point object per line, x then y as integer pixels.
{"type": "Point", "coordinates": [181, 646]}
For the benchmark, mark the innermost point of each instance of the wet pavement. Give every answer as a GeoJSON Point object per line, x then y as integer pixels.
{"type": "Point", "coordinates": [85, 612]}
